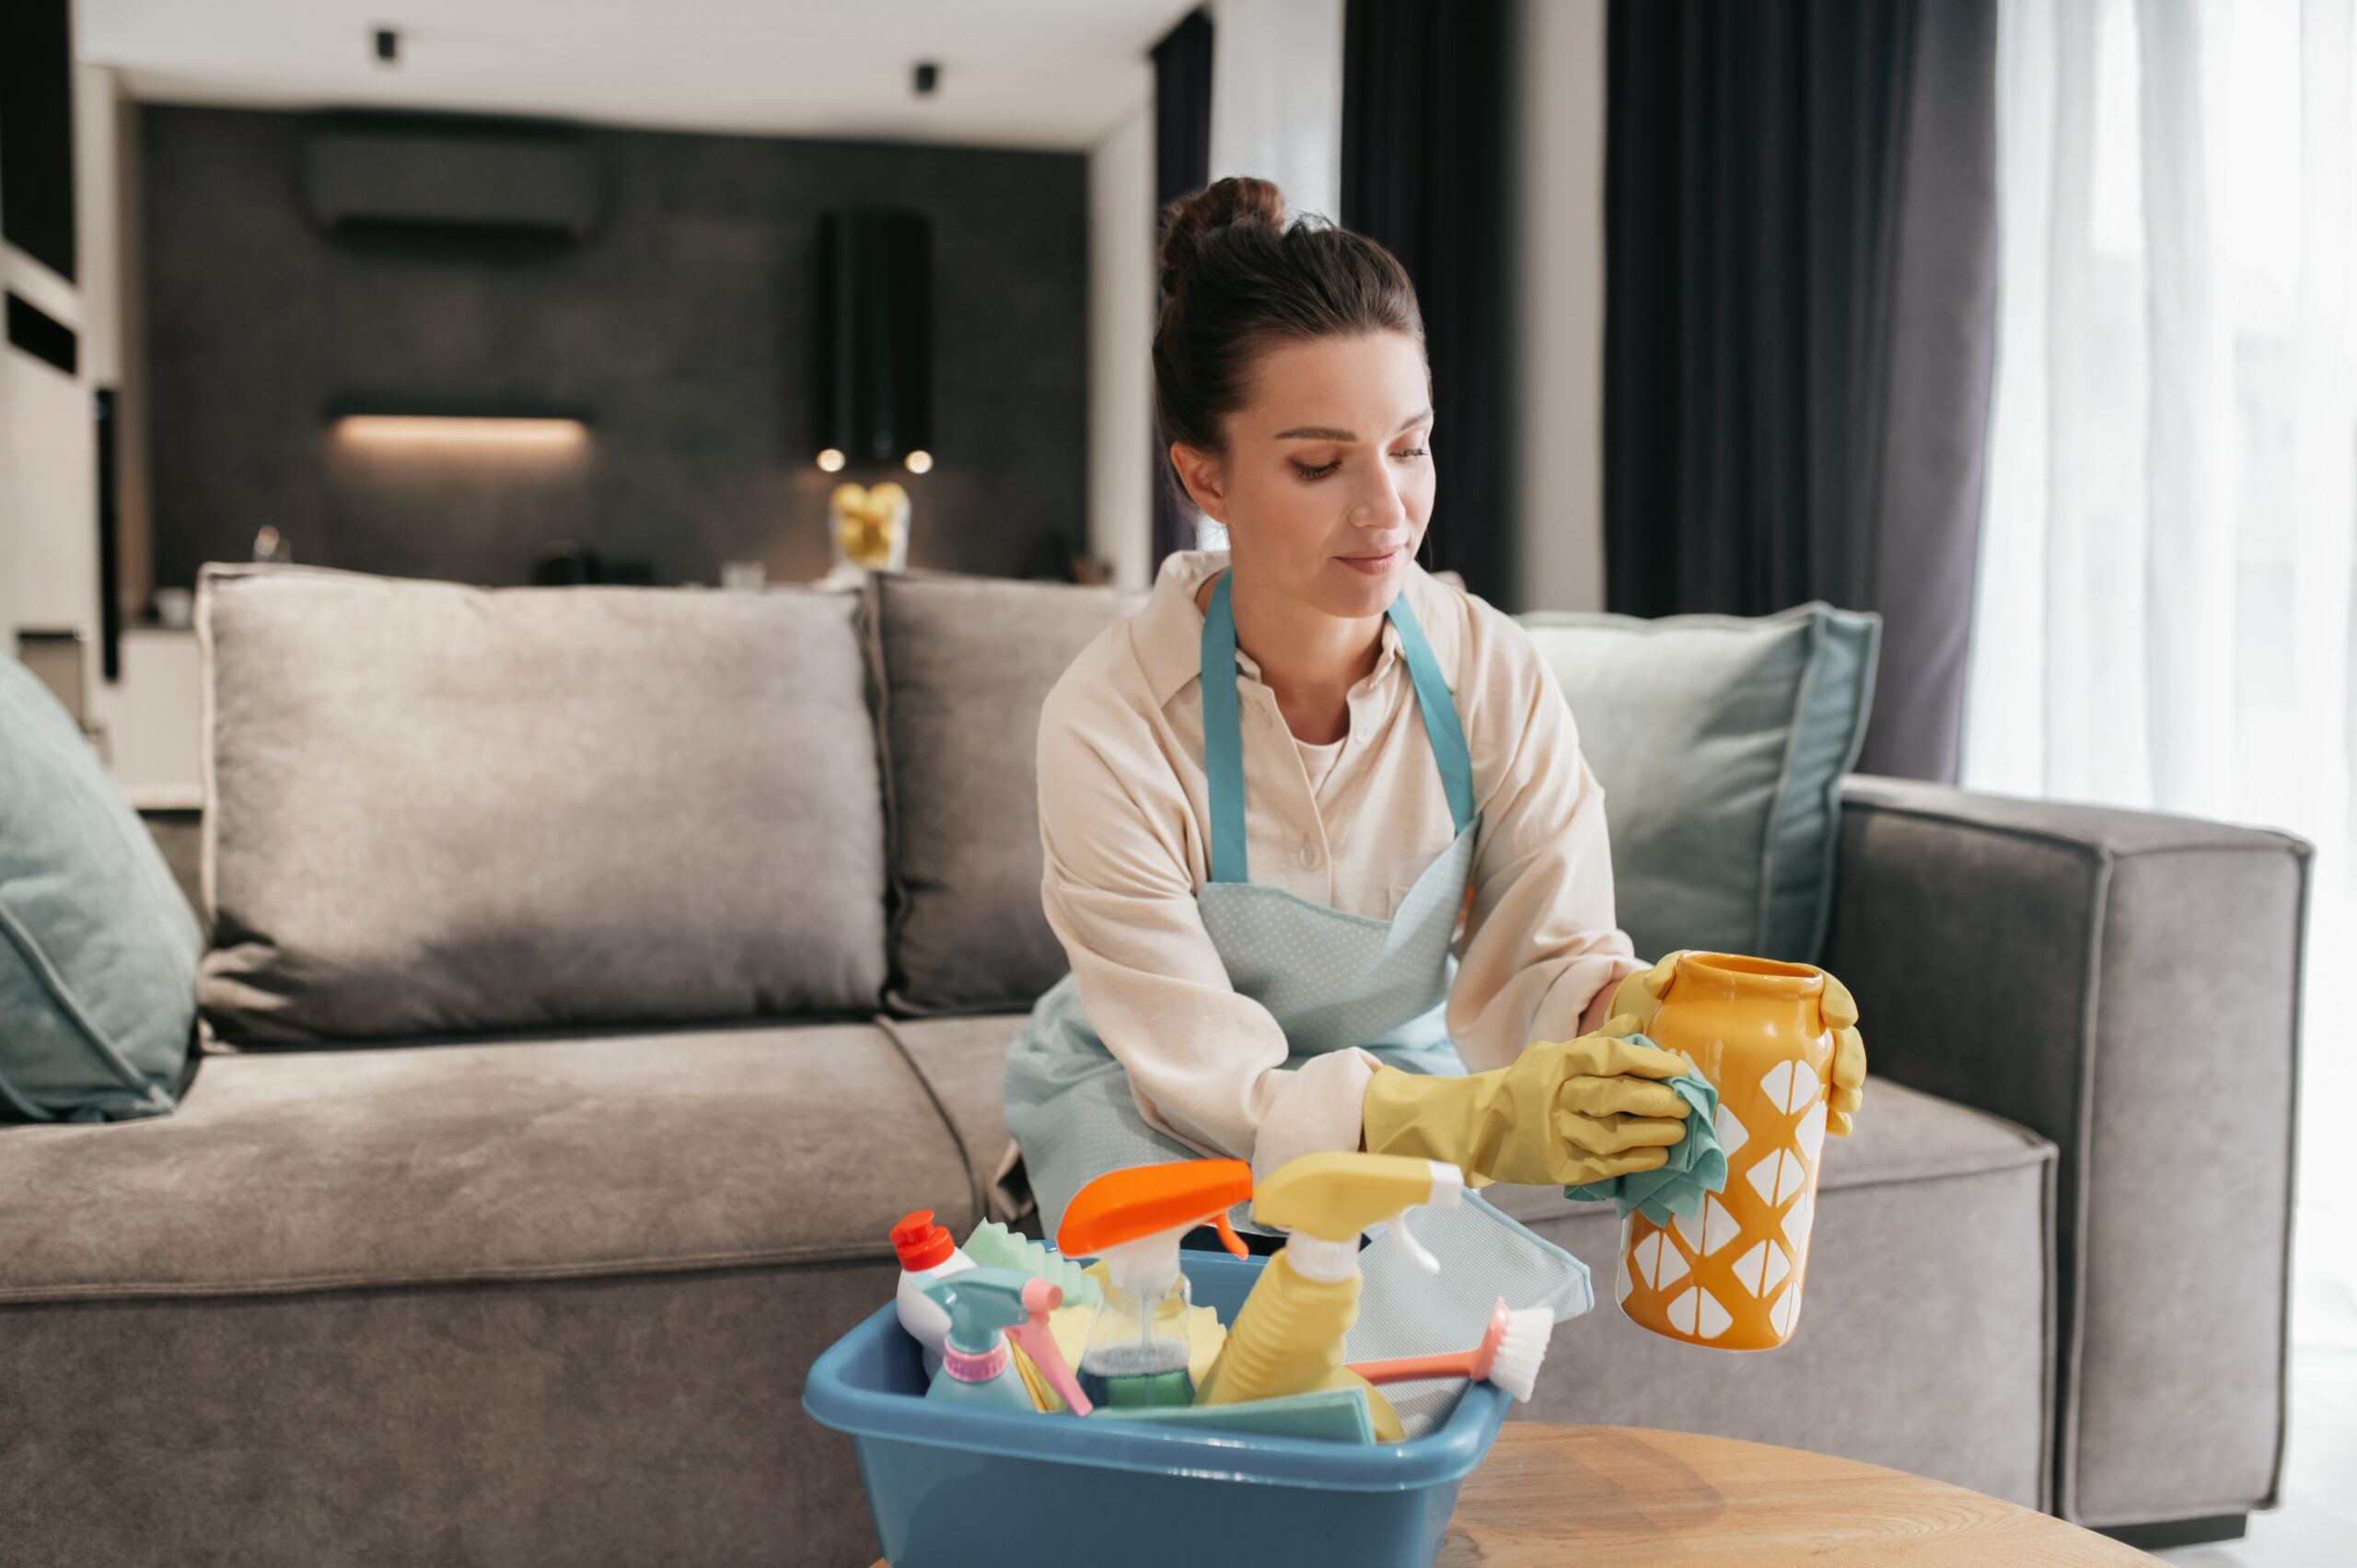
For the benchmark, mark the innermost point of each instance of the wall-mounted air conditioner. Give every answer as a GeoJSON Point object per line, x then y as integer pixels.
{"type": "Point", "coordinates": [451, 178]}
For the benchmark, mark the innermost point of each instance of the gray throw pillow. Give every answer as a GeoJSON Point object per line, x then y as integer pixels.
{"type": "Point", "coordinates": [98, 948]}
{"type": "Point", "coordinates": [1721, 743]}
{"type": "Point", "coordinates": [434, 808]}
{"type": "Point", "coordinates": [965, 664]}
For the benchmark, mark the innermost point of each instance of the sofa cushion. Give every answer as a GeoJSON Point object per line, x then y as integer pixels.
{"type": "Point", "coordinates": [531, 1424]}
{"type": "Point", "coordinates": [1925, 1340]}
{"type": "Point", "coordinates": [98, 948]}
{"type": "Point", "coordinates": [963, 1064]}
{"type": "Point", "coordinates": [1721, 742]}
{"type": "Point", "coordinates": [441, 810]}
{"type": "Point", "coordinates": [966, 663]}
{"type": "Point", "coordinates": [519, 1159]}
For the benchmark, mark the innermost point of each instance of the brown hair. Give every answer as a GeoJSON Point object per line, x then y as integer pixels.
{"type": "Point", "coordinates": [1237, 277]}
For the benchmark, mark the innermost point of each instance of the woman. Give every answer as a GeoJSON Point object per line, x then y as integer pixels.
{"type": "Point", "coordinates": [1318, 835]}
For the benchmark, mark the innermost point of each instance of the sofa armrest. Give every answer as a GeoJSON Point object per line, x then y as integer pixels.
{"type": "Point", "coordinates": [2127, 984]}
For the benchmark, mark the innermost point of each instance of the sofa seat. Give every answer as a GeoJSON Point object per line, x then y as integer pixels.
{"type": "Point", "coordinates": [509, 1160]}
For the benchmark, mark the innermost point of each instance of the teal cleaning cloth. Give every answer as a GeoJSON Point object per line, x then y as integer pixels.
{"type": "Point", "coordinates": [1338, 1415]}
{"type": "Point", "coordinates": [1697, 1165]}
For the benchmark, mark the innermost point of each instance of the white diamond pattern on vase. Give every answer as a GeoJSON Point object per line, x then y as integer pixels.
{"type": "Point", "coordinates": [1778, 1175]}
{"type": "Point", "coordinates": [1797, 1222]}
{"type": "Point", "coordinates": [1732, 1135]}
{"type": "Point", "coordinates": [1645, 1258]}
{"type": "Point", "coordinates": [1719, 1227]}
{"type": "Point", "coordinates": [1811, 1133]}
{"type": "Point", "coordinates": [1762, 1269]}
{"type": "Point", "coordinates": [1787, 1309]}
{"type": "Point", "coordinates": [1627, 1281]}
{"type": "Point", "coordinates": [1789, 1086]}
{"type": "Point", "coordinates": [1689, 1229]}
{"type": "Point", "coordinates": [1658, 1262]}
{"type": "Point", "coordinates": [1698, 1312]}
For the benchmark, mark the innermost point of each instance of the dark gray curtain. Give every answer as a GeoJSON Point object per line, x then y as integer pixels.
{"type": "Point", "coordinates": [1801, 230]}
{"type": "Point", "coordinates": [1423, 171]}
{"type": "Point", "coordinates": [1182, 162]}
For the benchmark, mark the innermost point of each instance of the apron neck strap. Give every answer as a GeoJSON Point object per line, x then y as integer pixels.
{"type": "Point", "coordinates": [1441, 724]}
{"type": "Point", "coordinates": [1223, 730]}
{"type": "Point", "coordinates": [1222, 739]}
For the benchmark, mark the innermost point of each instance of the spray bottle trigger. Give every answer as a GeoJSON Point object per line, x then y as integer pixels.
{"type": "Point", "coordinates": [1227, 1237]}
{"type": "Point", "coordinates": [1409, 1247]}
{"type": "Point", "coordinates": [1449, 1187]}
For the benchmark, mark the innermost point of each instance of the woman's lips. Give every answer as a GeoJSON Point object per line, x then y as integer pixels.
{"type": "Point", "coordinates": [1377, 564]}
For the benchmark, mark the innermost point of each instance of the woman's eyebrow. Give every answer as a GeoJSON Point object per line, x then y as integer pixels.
{"type": "Point", "coordinates": [1327, 433]}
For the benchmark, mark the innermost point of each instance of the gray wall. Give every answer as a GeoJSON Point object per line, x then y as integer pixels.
{"type": "Point", "coordinates": [682, 328]}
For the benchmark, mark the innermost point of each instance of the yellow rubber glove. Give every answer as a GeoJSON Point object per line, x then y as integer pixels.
{"type": "Point", "coordinates": [1565, 1113]}
{"type": "Point", "coordinates": [1639, 998]}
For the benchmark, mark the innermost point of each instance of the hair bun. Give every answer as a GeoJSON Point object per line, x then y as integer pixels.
{"type": "Point", "coordinates": [1239, 200]}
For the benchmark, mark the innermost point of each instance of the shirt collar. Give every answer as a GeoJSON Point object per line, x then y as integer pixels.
{"type": "Point", "coordinates": [1168, 633]}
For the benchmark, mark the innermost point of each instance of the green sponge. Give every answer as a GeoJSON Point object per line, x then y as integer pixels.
{"type": "Point", "coordinates": [993, 1245]}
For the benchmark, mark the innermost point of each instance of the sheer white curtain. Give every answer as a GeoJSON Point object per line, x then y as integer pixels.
{"type": "Point", "coordinates": [1277, 98]}
{"type": "Point", "coordinates": [1277, 113]}
{"type": "Point", "coordinates": [2163, 610]}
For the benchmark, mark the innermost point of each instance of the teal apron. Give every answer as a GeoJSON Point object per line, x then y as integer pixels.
{"type": "Point", "coordinates": [1332, 981]}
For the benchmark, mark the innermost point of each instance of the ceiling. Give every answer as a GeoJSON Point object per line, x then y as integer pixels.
{"type": "Point", "coordinates": [1013, 73]}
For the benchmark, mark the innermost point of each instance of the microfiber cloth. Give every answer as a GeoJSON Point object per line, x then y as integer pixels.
{"type": "Point", "coordinates": [1696, 1164]}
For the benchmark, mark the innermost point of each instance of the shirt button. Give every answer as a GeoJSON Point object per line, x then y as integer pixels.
{"type": "Point", "coordinates": [1309, 854]}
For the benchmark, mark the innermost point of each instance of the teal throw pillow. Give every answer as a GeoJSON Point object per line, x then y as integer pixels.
{"type": "Point", "coordinates": [98, 948]}
{"type": "Point", "coordinates": [1721, 742]}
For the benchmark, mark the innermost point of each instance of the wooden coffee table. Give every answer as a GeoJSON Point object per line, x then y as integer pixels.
{"type": "Point", "coordinates": [1603, 1496]}
{"type": "Point", "coordinates": [1619, 1497]}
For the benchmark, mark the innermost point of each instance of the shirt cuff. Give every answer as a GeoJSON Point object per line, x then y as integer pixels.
{"type": "Point", "coordinates": [1319, 1110]}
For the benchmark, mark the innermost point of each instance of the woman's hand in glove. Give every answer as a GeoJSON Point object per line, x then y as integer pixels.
{"type": "Point", "coordinates": [1639, 998]}
{"type": "Point", "coordinates": [1565, 1113]}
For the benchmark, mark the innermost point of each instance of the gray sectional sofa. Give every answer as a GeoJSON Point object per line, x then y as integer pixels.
{"type": "Point", "coordinates": [598, 974]}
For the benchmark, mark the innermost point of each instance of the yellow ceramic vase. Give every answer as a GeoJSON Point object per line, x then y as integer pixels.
{"type": "Point", "coordinates": [1730, 1277]}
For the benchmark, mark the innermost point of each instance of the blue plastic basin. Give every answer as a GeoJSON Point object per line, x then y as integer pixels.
{"type": "Point", "coordinates": [958, 1485]}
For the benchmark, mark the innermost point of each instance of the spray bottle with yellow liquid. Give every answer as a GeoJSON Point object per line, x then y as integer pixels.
{"type": "Point", "coordinates": [1288, 1337]}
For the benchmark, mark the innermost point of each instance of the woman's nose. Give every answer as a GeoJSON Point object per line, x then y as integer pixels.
{"type": "Point", "coordinates": [1378, 504]}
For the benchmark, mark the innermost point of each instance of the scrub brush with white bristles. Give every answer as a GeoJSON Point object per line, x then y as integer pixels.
{"type": "Point", "coordinates": [1508, 1355]}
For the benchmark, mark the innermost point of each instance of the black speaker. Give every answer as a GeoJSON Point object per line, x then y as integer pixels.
{"type": "Point", "coordinates": [37, 130]}
{"type": "Point", "coordinates": [874, 337]}
{"type": "Point", "coordinates": [102, 413]}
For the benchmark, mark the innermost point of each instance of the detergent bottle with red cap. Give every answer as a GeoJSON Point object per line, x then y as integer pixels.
{"type": "Point", "coordinates": [1136, 1354]}
{"type": "Point", "coordinates": [928, 1256]}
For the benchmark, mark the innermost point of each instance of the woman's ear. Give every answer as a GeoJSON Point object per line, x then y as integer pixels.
{"type": "Point", "coordinates": [1199, 473]}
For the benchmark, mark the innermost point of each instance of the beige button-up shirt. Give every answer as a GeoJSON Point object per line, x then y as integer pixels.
{"type": "Point", "coordinates": [1125, 813]}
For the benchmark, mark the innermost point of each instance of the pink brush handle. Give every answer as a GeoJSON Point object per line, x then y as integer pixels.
{"type": "Point", "coordinates": [1039, 1344]}
{"type": "Point", "coordinates": [1409, 1369]}
{"type": "Point", "coordinates": [1474, 1364]}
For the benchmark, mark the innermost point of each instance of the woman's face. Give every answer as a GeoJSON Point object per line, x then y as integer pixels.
{"type": "Point", "coordinates": [1327, 482]}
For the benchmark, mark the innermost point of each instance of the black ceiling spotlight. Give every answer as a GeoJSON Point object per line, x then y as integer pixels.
{"type": "Point", "coordinates": [387, 44]}
{"type": "Point", "coordinates": [875, 339]}
{"type": "Point", "coordinates": [928, 76]}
